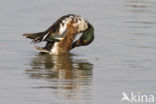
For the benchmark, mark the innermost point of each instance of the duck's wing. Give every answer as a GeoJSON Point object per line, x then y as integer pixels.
{"type": "Point", "coordinates": [42, 36]}
{"type": "Point", "coordinates": [55, 37]}
{"type": "Point", "coordinates": [50, 42]}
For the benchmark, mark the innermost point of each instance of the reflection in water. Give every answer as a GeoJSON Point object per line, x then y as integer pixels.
{"type": "Point", "coordinates": [68, 77]}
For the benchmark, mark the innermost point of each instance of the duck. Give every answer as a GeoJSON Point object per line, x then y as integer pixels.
{"type": "Point", "coordinates": [60, 36]}
{"type": "Point", "coordinates": [86, 38]}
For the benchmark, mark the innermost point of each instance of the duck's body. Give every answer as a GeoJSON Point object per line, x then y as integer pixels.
{"type": "Point", "coordinates": [65, 43]}
{"type": "Point", "coordinates": [61, 34]}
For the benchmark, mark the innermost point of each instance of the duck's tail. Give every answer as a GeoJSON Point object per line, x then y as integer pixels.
{"type": "Point", "coordinates": [37, 37]}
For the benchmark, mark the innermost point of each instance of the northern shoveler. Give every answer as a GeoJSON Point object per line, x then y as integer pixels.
{"type": "Point", "coordinates": [61, 34]}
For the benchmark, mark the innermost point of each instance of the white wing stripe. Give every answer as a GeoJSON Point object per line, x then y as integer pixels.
{"type": "Point", "coordinates": [45, 36]}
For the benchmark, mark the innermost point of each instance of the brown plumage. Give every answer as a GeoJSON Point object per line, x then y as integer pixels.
{"type": "Point", "coordinates": [66, 43]}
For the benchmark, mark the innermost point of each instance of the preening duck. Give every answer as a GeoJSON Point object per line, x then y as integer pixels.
{"type": "Point", "coordinates": [60, 36]}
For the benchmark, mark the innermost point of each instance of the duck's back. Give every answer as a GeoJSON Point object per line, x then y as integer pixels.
{"type": "Point", "coordinates": [61, 24]}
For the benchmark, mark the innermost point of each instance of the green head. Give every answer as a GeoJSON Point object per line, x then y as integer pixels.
{"type": "Point", "coordinates": [86, 38]}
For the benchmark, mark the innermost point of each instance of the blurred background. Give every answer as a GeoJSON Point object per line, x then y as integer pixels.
{"type": "Point", "coordinates": [120, 59]}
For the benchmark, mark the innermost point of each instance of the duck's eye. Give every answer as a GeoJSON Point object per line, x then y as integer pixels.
{"type": "Point", "coordinates": [84, 41]}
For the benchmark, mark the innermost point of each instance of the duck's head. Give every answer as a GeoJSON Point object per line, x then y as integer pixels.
{"type": "Point", "coordinates": [86, 38]}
